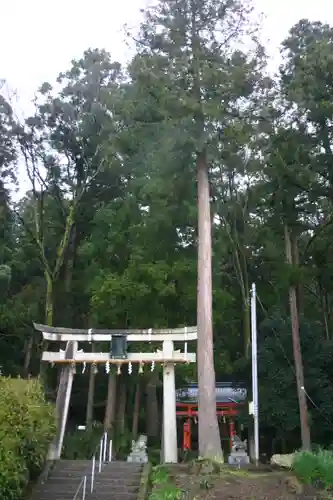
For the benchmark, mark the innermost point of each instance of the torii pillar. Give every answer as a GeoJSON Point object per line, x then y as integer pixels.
{"type": "Point", "coordinates": [62, 403]}
{"type": "Point", "coordinates": [170, 450]}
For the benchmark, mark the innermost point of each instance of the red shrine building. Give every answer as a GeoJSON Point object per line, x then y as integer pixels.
{"type": "Point", "coordinates": [231, 400]}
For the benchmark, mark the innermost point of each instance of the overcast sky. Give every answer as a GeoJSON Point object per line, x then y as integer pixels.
{"type": "Point", "coordinates": [39, 38]}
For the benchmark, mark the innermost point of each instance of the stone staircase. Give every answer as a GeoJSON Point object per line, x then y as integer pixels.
{"type": "Point", "coordinates": [116, 481]}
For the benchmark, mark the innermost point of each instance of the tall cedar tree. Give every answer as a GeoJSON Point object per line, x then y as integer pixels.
{"type": "Point", "coordinates": [187, 63]}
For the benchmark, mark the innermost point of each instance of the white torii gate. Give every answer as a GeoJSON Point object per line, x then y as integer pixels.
{"type": "Point", "coordinates": [72, 355]}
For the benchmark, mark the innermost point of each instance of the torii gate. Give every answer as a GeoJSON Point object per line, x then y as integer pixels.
{"type": "Point", "coordinates": [117, 354]}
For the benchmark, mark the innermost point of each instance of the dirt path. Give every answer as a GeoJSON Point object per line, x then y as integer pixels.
{"type": "Point", "coordinates": [203, 483]}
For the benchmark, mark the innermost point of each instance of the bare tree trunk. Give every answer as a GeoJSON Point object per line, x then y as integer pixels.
{"type": "Point", "coordinates": [49, 309]}
{"type": "Point", "coordinates": [152, 413]}
{"type": "Point", "coordinates": [110, 409]}
{"type": "Point", "coordinates": [325, 309]}
{"type": "Point", "coordinates": [305, 429]}
{"type": "Point", "coordinates": [28, 355]}
{"type": "Point", "coordinates": [69, 271]}
{"type": "Point", "coordinates": [122, 396]}
{"type": "Point", "coordinates": [70, 254]}
{"type": "Point", "coordinates": [91, 394]}
{"type": "Point", "coordinates": [327, 314]}
{"type": "Point", "coordinates": [136, 410]}
{"type": "Point", "coordinates": [209, 434]}
{"type": "Point", "coordinates": [299, 288]}
{"type": "Point", "coordinates": [162, 443]}
{"type": "Point", "coordinates": [49, 300]}
{"type": "Point", "coordinates": [246, 327]}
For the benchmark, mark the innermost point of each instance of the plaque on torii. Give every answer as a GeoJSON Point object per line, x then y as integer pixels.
{"type": "Point", "coordinates": [116, 353]}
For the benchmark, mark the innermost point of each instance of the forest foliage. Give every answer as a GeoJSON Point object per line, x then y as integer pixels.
{"type": "Point", "coordinates": [106, 232]}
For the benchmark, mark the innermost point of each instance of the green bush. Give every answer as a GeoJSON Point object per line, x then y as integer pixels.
{"type": "Point", "coordinates": [14, 475]}
{"type": "Point", "coordinates": [81, 445]}
{"type": "Point", "coordinates": [163, 487]}
{"type": "Point", "coordinates": [315, 468]}
{"type": "Point", "coordinates": [27, 426]}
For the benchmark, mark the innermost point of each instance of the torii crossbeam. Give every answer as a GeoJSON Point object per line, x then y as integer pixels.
{"type": "Point", "coordinates": [168, 356]}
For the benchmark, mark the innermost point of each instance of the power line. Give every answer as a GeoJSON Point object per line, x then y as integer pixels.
{"type": "Point", "coordinates": [277, 338]}
{"type": "Point", "coordinates": [317, 407]}
{"type": "Point", "coordinates": [292, 365]}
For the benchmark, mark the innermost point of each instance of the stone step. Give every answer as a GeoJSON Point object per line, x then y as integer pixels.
{"type": "Point", "coordinates": [95, 496]}
{"type": "Point", "coordinates": [55, 496]}
{"type": "Point", "coordinates": [73, 468]}
{"type": "Point", "coordinates": [130, 479]}
{"type": "Point", "coordinates": [98, 479]}
{"type": "Point", "coordinates": [115, 467]}
{"type": "Point", "coordinates": [111, 484]}
{"type": "Point", "coordinates": [63, 489]}
{"type": "Point", "coordinates": [68, 482]}
{"type": "Point", "coordinates": [117, 464]}
{"type": "Point", "coordinates": [70, 470]}
{"type": "Point", "coordinates": [54, 493]}
{"type": "Point", "coordinates": [104, 473]}
{"type": "Point", "coordinates": [117, 480]}
{"type": "Point", "coordinates": [65, 461]}
{"type": "Point", "coordinates": [63, 476]}
{"type": "Point", "coordinates": [103, 489]}
{"type": "Point", "coordinates": [108, 496]}
{"type": "Point", "coordinates": [69, 467]}
{"type": "Point", "coordinates": [119, 472]}
{"type": "Point", "coordinates": [112, 496]}
{"type": "Point", "coordinates": [64, 464]}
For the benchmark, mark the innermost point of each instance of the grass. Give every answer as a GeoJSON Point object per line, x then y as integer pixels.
{"type": "Point", "coordinates": [163, 487]}
{"type": "Point", "coordinates": [315, 468]}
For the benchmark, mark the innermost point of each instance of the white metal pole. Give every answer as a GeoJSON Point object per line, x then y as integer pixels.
{"type": "Point", "coordinates": [84, 488]}
{"type": "Point", "coordinates": [255, 371]}
{"type": "Point", "coordinates": [100, 456]}
{"type": "Point", "coordinates": [93, 474]}
{"type": "Point", "coordinates": [105, 438]}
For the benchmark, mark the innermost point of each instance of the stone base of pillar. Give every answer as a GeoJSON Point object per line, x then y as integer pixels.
{"type": "Point", "coordinates": [238, 458]}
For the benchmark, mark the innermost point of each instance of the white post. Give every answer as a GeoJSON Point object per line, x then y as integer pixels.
{"type": "Point", "coordinates": [255, 372]}
{"type": "Point", "coordinates": [105, 438]}
{"type": "Point", "coordinates": [169, 406]}
{"type": "Point", "coordinates": [100, 456]}
{"type": "Point", "coordinates": [84, 488]}
{"type": "Point", "coordinates": [93, 474]}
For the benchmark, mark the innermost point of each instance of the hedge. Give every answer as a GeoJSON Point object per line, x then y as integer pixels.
{"type": "Point", "coordinates": [27, 426]}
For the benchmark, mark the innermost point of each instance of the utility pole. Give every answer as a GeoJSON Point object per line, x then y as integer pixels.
{"type": "Point", "coordinates": [255, 391]}
{"type": "Point", "coordinates": [302, 402]}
